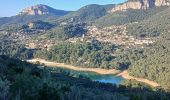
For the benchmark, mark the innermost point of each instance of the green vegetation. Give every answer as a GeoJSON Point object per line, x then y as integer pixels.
{"type": "Point", "coordinates": [85, 14]}
{"type": "Point", "coordinates": [153, 26]}
{"type": "Point", "coordinates": [83, 54]}
{"type": "Point", "coordinates": [24, 19]}
{"type": "Point", "coordinates": [65, 31]}
{"type": "Point", "coordinates": [15, 50]}
{"type": "Point", "coordinates": [39, 25]}
{"type": "Point", "coordinates": [24, 81]}
{"type": "Point", "coordinates": [129, 16]}
{"type": "Point", "coordinates": [156, 64]}
{"type": "Point", "coordinates": [93, 54]}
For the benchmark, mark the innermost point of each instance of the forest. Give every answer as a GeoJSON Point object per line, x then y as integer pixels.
{"type": "Point", "coordinates": [156, 64]}
{"type": "Point", "coordinates": [15, 50]}
{"type": "Point", "coordinates": [96, 54]}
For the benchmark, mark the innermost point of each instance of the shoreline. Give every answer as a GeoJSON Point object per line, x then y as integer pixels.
{"type": "Point", "coordinates": [76, 68]}
{"type": "Point", "coordinates": [126, 75]}
{"type": "Point", "coordinates": [123, 74]}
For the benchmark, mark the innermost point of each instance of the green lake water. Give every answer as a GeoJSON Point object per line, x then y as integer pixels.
{"type": "Point", "coordinates": [93, 76]}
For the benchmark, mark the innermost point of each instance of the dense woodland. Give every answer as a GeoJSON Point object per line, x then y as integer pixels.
{"type": "Point", "coordinates": [156, 63]}
{"type": "Point", "coordinates": [15, 50]}
{"type": "Point", "coordinates": [129, 16]}
{"type": "Point", "coordinates": [95, 54]}
{"type": "Point", "coordinates": [64, 32]}
{"type": "Point", "coordinates": [152, 26]}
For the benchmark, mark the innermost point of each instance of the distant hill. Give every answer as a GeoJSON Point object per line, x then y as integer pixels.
{"type": "Point", "coordinates": [87, 13]}
{"type": "Point", "coordinates": [24, 19]}
{"type": "Point", "coordinates": [33, 13]}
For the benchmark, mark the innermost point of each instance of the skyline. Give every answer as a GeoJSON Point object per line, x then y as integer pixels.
{"type": "Point", "coordinates": [13, 8]}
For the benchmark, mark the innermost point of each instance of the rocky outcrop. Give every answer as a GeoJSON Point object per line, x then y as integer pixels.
{"type": "Point", "coordinates": [35, 10]}
{"type": "Point", "coordinates": [41, 10]}
{"type": "Point", "coordinates": [162, 2]}
{"type": "Point", "coordinates": [140, 4]}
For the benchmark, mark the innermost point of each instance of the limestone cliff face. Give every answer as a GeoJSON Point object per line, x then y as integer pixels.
{"type": "Point", "coordinates": [41, 10]}
{"type": "Point", "coordinates": [140, 4]}
{"type": "Point", "coordinates": [35, 10]}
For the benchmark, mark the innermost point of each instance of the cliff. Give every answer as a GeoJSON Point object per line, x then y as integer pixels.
{"type": "Point", "coordinates": [42, 10]}
{"type": "Point", "coordinates": [140, 4]}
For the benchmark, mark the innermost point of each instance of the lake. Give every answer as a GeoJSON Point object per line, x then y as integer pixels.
{"type": "Point", "coordinates": [92, 75]}
{"type": "Point", "coordinates": [110, 79]}
{"type": "Point", "coordinates": [103, 78]}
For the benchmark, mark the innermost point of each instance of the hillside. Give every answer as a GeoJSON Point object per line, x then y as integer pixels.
{"type": "Point", "coordinates": [86, 14]}
{"type": "Point", "coordinates": [155, 64]}
{"type": "Point", "coordinates": [4, 21]}
{"type": "Point", "coordinates": [129, 16]}
{"type": "Point", "coordinates": [153, 26]}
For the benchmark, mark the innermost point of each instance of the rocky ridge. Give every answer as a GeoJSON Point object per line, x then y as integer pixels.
{"type": "Point", "coordinates": [41, 10]}
{"type": "Point", "coordinates": [140, 4]}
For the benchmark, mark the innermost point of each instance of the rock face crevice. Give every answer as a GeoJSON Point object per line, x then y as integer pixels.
{"type": "Point", "coordinates": [140, 4]}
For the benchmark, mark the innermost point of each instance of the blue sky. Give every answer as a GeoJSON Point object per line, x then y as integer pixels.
{"type": "Point", "coordinates": [12, 7]}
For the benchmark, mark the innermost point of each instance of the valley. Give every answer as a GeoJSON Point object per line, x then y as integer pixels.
{"type": "Point", "coordinates": [97, 52]}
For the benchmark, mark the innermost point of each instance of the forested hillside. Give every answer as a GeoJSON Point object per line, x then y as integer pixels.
{"type": "Point", "coordinates": [153, 26]}
{"type": "Point", "coordinates": [86, 14]}
{"type": "Point", "coordinates": [95, 55]}
{"type": "Point", "coordinates": [15, 50]}
{"type": "Point", "coordinates": [21, 80]}
{"type": "Point", "coordinates": [24, 19]}
{"type": "Point", "coordinates": [129, 16]}
{"type": "Point", "coordinates": [83, 54]}
{"type": "Point", "coordinates": [156, 64]}
{"type": "Point", "coordinates": [64, 32]}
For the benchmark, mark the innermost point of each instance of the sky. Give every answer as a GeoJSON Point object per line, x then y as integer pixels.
{"type": "Point", "coordinates": [12, 7]}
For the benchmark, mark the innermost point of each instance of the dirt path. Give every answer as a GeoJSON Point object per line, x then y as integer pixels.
{"type": "Point", "coordinates": [124, 74]}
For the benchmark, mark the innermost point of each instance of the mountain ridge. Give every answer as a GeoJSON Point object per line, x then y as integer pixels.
{"type": "Point", "coordinates": [140, 4]}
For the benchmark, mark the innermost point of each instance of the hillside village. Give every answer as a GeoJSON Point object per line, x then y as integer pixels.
{"type": "Point", "coordinates": [114, 35]}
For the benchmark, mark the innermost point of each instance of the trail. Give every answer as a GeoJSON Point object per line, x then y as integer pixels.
{"type": "Point", "coordinates": [124, 74]}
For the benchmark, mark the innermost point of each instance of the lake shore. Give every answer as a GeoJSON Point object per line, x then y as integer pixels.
{"type": "Point", "coordinates": [126, 75]}
{"type": "Point", "coordinates": [76, 68]}
{"type": "Point", "coordinates": [123, 74]}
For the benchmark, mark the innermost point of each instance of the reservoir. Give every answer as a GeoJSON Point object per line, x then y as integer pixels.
{"type": "Point", "coordinates": [111, 78]}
